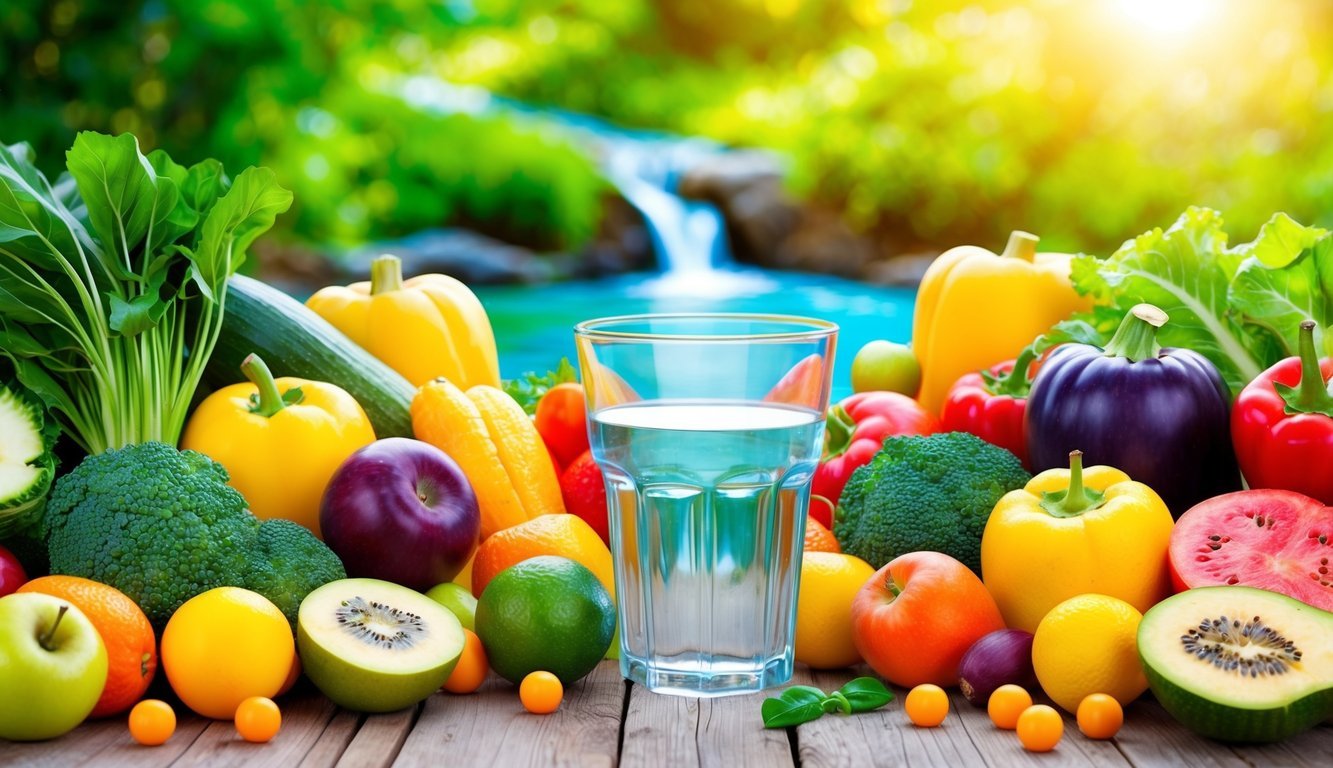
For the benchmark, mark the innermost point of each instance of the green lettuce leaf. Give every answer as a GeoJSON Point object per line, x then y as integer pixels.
{"type": "Point", "coordinates": [1286, 277]}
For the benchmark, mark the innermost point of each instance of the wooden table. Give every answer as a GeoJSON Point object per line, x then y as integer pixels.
{"type": "Point", "coordinates": [605, 721]}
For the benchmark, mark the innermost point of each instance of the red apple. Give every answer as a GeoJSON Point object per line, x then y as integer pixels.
{"type": "Point", "coordinates": [401, 510]}
{"type": "Point", "coordinates": [11, 572]}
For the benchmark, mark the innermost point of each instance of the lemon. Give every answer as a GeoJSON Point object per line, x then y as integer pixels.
{"type": "Point", "coordinates": [829, 581]}
{"type": "Point", "coordinates": [1088, 644]}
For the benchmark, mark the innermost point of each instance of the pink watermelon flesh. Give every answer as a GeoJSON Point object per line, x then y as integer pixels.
{"type": "Point", "coordinates": [1281, 541]}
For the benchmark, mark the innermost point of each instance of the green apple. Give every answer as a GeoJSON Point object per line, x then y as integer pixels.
{"type": "Point", "coordinates": [458, 600]}
{"type": "Point", "coordinates": [883, 366]}
{"type": "Point", "coordinates": [52, 667]}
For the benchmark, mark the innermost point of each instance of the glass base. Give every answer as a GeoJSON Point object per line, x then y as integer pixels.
{"type": "Point", "coordinates": [716, 676]}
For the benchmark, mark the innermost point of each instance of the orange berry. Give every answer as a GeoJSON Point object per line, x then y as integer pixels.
{"type": "Point", "coordinates": [152, 722]}
{"type": "Point", "coordinates": [926, 705]}
{"type": "Point", "coordinates": [470, 671]}
{"type": "Point", "coordinates": [1040, 728]}
{"type": "Point", "coordinates": [1100, 716]}
{"type": "Point", "coordinates": [258, 719]}
{"type": "Point", "coordinates": [1006, 704]}
{"type": "Point", "coordinates": [541, 693]}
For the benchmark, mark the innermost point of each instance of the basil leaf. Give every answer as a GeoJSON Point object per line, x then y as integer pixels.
{"type": "Point", "coordinates": [837, 702]}
{"type": "Point", "coordinates": [796, 705]}
{"type": "Point", "coordinates": [865, 693]}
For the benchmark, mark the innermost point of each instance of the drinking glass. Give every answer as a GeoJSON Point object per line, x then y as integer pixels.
{"type": "Point", "coordinates": [707, 428]}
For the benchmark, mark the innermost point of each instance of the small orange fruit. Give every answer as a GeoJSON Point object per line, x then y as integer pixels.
{"type": "Point", "coordinates": [926, 705]}
{"type": "Point", "coordinates": [1006, 704]}
{"type": "Point", "coordinates": [1100, 716]}
{"type": "Point", "coordinates": [131, 645]}
{"type": "Point", "coordinates": [818, 538]}
{"type": "Point", "coordinates": [152, 722]}
{"type": "Point", "coordinates": [541, 693]}
{"type": "Point", "coordinates": [470, 671]}
{"type": "Point", "coordinates": [258, 719]}
{"type": "Point", "coordinates": [1040, 728]}
{"type": "Point", "coordinates": [560, 534]}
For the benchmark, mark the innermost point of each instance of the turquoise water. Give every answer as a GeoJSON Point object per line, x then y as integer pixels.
{"type": "Point", "coordinates": [701, 497]}
{"type": "Point", "coordinates": [534, 324]}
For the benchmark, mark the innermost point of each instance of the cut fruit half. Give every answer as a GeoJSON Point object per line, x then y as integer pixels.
{"type": "Point", "coordinates": [1239, 664]}
{"type": "Point", "coordinates": [374, 646]}
{"type": "Point", "coordinates": [27, 466]}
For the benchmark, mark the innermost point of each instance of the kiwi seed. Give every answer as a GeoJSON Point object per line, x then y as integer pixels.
{"type": "Point", "coordinates": [381, 625]}
{"type": "Point", "coordinates": [1217, 642]}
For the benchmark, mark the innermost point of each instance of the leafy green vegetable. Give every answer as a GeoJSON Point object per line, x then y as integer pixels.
{"type": "Point", "coordinates": [27, 464]}
{"type": "Point", "coordinates": [803, 703]}
{"type": "Point", "coordinates": [1240, 307]}
{"type": "Point", "coordinates": [529, 388]}
{"type": "Point", "coordinates": [113, 280]}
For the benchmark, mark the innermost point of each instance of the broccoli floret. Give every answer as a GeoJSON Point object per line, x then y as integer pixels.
{"type": "Point", "coordinates": [925, 493]}
{"type": "Point", "coordinates": [162, 526]}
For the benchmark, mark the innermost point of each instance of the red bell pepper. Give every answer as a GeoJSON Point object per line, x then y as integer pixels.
{"type": "Point", "coordinates": [990, 405]}
{"type": "Point", "coordinates": [854, 433]}
{"type": "Point", "coordinates": [1282, 424]}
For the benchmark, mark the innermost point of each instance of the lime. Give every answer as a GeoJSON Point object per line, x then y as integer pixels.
{"type": "Point", "coordinates": [546, 613]}
{"type": "Point", "coordinates": [458, 600]}
{"type": "Point", "coordinates": [883, 366]}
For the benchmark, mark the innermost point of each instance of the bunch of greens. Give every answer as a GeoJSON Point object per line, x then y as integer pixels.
{"type": "Point", "coordinates": [803, 703]}
{"type": "Point", "coordinates": [113, 281]}
{"type": "Point", "coordinates": [1241, 306]}
{"type": "Point", "coordinates": [527, 390]}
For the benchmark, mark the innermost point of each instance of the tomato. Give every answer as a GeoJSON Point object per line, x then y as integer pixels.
{"type": "Point", "coordinates": [562, 421]}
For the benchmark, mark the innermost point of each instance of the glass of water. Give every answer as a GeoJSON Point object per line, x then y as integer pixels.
{"type": "Point", "coordinates": [707, 428]}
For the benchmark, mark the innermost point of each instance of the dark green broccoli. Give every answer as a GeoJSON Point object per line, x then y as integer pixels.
{"type": "Point", "coordinates": [162, 526]}
{"type": "Point", "coordinates": [925, 493]}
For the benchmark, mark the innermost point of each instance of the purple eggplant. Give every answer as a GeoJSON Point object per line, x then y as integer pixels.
{"type": "Point", "coordinates": [1160, 415]}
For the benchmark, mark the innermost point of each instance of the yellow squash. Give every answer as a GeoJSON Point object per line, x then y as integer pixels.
{"type": "Point", "coordinates": [975, 309]}
{"type": "Point", "coordinates": [496, 445]}
{"type": "Point", "coordinates": [1071, 532]}
{"type": "Point", "coordinates": [426, 327]}
{"type": "Point", "coordinates": [280, 440]}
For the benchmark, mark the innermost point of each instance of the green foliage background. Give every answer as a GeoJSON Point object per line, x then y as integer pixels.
{"type": "Point", "coordinates": [924, 123]}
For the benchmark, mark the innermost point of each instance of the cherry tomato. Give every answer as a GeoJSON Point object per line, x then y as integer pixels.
{"type": "Point", "coordinates": [470, 671]}
{"type": "Point", "coordinates": [1006, 704]}
{"type": "Point", "coordinates": [258, 719]}
{"type": "Point", "coordinates": [1100, 716]}
{"type": "Point", "coordinates": [562, 421]}
{"type": "Point", "coordinates": [1040, 728]}
{"type": "Point", "coordinates": [541, 693]}
{"type": "Point", "coordinates": [926, 705]}
{"type": "Point", "coordinates": [152, 722]}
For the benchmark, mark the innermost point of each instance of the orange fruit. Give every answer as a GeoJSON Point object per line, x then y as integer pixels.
{"type": "Point", "coordinates": [829, 583]}
{"type": "Point", "coordinates": [470, 671]}
{"type": "Point", "coordinates": [152, 722]}
{"type": "Point", "coordinates": [561, 534]}
{"type": "Point", "coordinates": [258, 719]}
{"type": "Point", "coordinates": [818, 538]}
{"type": "Point", "coordinates": [1089, 644]}
{"type": "Point", "coordinates": [131, 645]}
{"type": "Point", "coordinates": [541, 693]}
{"type": "Point", "coordinates": [926, 705]}
{"type": "Point", "coordinates": [224, 646]}
{"type": "Point", "coordinates": [1039, 728]}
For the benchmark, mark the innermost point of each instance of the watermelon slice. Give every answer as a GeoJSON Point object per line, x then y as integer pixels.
{"type": "Point", "coordinates": [1281, 541]}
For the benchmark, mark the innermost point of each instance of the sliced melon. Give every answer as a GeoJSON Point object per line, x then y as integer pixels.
{"type": "Point", "coordinates": [1239, 664]}
{"type": "Point", "coordinates": [373, 646]}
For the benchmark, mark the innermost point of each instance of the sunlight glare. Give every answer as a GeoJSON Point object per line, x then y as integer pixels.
{"type": "Point", "coordinates": [1168, 16]}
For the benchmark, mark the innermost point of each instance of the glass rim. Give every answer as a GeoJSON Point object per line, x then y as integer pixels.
{"type": "Point", "coordinates": [803, 328]}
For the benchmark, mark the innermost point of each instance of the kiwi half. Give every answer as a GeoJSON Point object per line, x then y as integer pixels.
{"type": "Point", "coordinates": [1239, 664]}
{"type": "Point", "coordinates": [374, 646]}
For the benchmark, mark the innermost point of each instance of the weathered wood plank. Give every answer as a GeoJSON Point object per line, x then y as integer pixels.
{"type": "Point", "coordinates": [333, 742]}
{"type": "Point", "coordinates": [1312, 749]}
{"type": "Point", "coordinates": [681, 731]}
{"type": "Point", "coordinates": [304, 719]}
{"type": "Point", "coordinates": [1151, 737]}
{"type": "Point", "coordinates": [999, 747]}
{"type": "Point", "coordinates": [74, 748]}
{"type": "Point", "coordinates": [491, 728]}
{"type": "Point", "coordinates": [379, 740]}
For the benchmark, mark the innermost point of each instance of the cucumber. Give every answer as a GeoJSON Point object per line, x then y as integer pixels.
{"type": "Point", "coordinates": [295, 341]}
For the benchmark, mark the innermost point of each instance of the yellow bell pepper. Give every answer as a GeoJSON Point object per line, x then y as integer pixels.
{"type": "Point", "coordinates": [425, 327]}
{"type": "Point", "coordinates": [496, 445]}
{"type": "Point", "coordinates": [280, 440]}
{"type": "Point", "coordinates": [975, 309]}
{"type": "Point", "coordinates": [1073, 531]}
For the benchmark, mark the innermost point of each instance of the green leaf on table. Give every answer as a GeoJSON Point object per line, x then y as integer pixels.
{"type": "Point", "coordinates": [798, 704]}
{"type": "Point", "coordinates": [866, 693]}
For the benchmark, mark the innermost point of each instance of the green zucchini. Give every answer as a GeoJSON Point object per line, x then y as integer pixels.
{"type": "Point", "coordinates": [295, 341]}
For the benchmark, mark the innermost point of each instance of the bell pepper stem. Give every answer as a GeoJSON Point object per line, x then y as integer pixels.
{"type": "Point", "coordinates": [1015, 383]}
{"type": "Point", "coordinates": [270, 399]}
{"type": "Point", "coordinates": [1077, 498]}
{"type": "Point", "coordinates": [386, 274]}
{"type": "Point", "coordinates": [1136, 338]}
{"type": "Point", "coordinates": [1311, 394]}
{"type": "Point", "coordinates": [838, 428]}
{"type": "Point", "coordinates": [48, 637]}
{"type": "Point", "coordinates": [1021, 245]}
